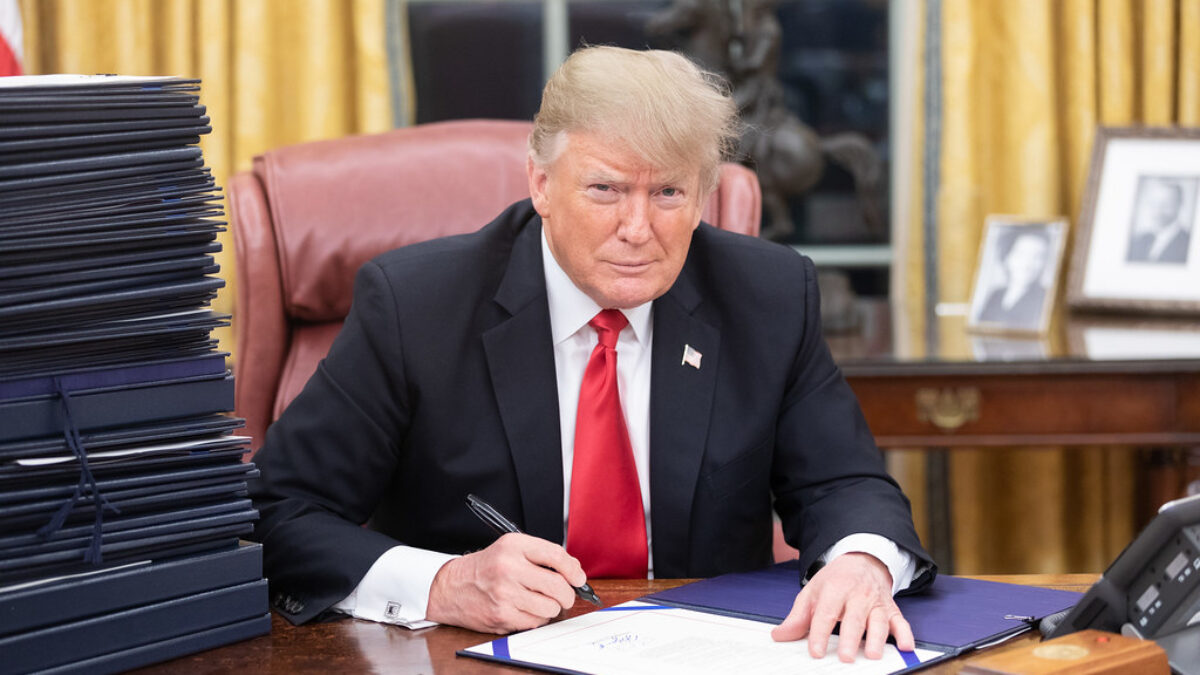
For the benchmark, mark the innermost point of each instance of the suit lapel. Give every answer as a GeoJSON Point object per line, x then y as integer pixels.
{"type": "Point", "coordinates": [520, 358]}
{"type": "Point", "coordinates": [681, 399]}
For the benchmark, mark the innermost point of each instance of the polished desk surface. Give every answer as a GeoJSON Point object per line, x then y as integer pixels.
{"type": "Point", "coordinates": [887, 339]}
{"type": "Point", "coordinates": [352, 646]}
{"type": "Point", "coordinates": [1090, 381]}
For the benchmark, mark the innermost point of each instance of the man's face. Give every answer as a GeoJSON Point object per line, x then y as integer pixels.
{"type": "Point", "coordinates": [1026, 260]}
{"type": "Point", "coordinates": [618, 227]}
{"type": "Point", "coordinates": [1162, 204]}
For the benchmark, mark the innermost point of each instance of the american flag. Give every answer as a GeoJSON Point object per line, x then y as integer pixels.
{"type": "Point", "coordinates": [691, 357]}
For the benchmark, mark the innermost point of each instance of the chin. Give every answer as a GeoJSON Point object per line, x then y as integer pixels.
{"type": "Point", "coordinates": [628, 293]}
{"type": "Point", "coordinates": [628, 300]}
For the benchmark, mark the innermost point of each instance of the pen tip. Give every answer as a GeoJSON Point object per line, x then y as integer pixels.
{"type": "Point", "coordinates": [590, 595]}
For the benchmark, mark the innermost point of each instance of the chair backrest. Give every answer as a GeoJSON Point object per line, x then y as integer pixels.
{"type": "Point", "coordinates": [307, 216]}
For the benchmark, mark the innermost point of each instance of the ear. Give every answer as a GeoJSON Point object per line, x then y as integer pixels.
{"type": "Point", "coordinates": [538, 180]}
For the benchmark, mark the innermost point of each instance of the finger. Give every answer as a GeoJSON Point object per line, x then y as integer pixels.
{"type": "Point", "coordinates": [795, 624]}
{"type": "Point", "coordinates": [877, 632]}
{"type": "Point", "coordinates": [510, 589]}
{"type": "Point", "coordinates": [514, 620]}
{"type": "Point", "coordinates": [548, 554]}
{"type": "Point", "coordinates": [550, 584]}
{"type": "Point", "coordinates": [824, 618]}
{"type": "Point", "coordinates": [854, 621]}
{"type": "Point", "coordinates": [535, 604]}
{"type": "Point", "coordinates": [902, 631]}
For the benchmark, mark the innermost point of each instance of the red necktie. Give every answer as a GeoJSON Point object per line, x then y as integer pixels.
{"type": "Point", "coordinates": [606, 526]}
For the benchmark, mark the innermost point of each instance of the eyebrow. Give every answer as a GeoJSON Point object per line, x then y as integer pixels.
{"type": "Point", "coordinates": [601, 176]}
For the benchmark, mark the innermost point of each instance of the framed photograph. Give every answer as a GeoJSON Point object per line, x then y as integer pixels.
{"type": "Point", "coordinates": [1135, 248]}
{"type": "Point", "coordinates": [1017, 276]}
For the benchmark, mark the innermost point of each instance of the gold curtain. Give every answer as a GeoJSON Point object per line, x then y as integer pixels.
{"type": "Point", "coordinates": [1023, 86]}
{"type": "Point", "coordinates": [275, 72]}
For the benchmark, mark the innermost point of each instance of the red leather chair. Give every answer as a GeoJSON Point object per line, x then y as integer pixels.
{"type": "Point", "coordinates": [307, 216]}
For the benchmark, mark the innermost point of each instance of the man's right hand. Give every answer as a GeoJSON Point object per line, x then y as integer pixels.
{"type": "Point", "coordinates": [517, 583]}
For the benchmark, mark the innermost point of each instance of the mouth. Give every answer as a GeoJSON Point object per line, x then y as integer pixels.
{"type": "Point", "coordinates": [630, 267]}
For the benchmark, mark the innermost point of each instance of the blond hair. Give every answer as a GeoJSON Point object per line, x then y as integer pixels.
{"type": "Point", "coordinates": [662, 106]}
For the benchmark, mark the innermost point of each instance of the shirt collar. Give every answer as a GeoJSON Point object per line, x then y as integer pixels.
{"type": "Point", "coordinates": [571, 309]}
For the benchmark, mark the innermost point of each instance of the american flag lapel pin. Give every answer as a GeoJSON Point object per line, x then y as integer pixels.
{"type": "Point", "coordinates": [691, 357]}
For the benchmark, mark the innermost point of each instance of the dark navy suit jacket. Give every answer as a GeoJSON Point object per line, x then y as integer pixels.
{"type": "Point", "coordinates": [442, 383]}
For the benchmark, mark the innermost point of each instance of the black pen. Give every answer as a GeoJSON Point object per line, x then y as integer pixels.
{"type": "Point", "coordinates": [503, 525]}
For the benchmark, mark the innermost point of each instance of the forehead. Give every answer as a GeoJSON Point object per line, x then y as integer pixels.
{"type": "Point", "coordinates": [1025, 241]}
{"type": "Point", "coordinates": [593, 156]}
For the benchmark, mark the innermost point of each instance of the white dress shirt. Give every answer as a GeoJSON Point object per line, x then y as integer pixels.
{"type": "Point", "coordinates": [396, 588]}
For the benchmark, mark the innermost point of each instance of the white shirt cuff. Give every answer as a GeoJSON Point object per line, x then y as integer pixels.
{"type": "Point", "coordinates": [396, 588]}
{"type": "Point", "coordinates": [900, 563]}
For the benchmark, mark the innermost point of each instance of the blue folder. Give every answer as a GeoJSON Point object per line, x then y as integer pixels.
{"type": "Point", "coordinates": [32, 606]}
{"type": "Point", "coordinates": [955, 615]}
{"type": "Point", "coordinates": [86, 376]}
{"type": "Point", "coordinates": [66, 643]}
{"type": "Point", "coordinates": [106, 407]}
{"type": "Point", "coordinates": [168, 431]}
{"type": "Point", "coordinates": [61, 197]}
{"type": "Point", "coordinates": [165, 650]}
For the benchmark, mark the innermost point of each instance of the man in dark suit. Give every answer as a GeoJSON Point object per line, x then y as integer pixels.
{"type": "Point", "coordinates": [1162, 233]}
{"type": "Point", "coordinates": [466, 366]}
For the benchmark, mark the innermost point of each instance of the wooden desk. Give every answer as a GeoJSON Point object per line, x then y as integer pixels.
{"type": "Point", "coordinates": [352, 646]}
{"type": "Point", "coordinates": [1091, 381]}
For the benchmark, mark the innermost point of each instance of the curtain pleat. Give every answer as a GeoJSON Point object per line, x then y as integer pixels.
{"type": "Point", "coordinates": [1188, 98]}
{"type": "Point", "coordinates": [275, 72]}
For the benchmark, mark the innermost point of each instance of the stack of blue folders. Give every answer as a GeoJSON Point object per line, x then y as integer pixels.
{"type": "Point", "coordinates": [122, 483]}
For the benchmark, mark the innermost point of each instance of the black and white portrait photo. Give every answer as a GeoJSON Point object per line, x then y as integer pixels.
{"type": "Point", "coordinates": [1135, 245]}
{"type": "Point", "coordinates": [1018, 268]}
{"type": "Point", "coordinates": [1161, 224]}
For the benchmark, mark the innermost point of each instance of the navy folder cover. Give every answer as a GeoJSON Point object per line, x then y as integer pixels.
{"type": "Point", "coordinates": [129, 436]}
{"type": "Point", "coordinates": [164, 650]}
{"type": "Point", "coordinates": [84, 377]}
{"type": "Point", "coordinates": [30, 606]}
{"type": "Point", "coordinates": [64, 643]}
{"type": "Point", "coordinates": [112, 260]}
{"type": "Point", "coordinates": [70, 548]}
{"type": "Point", "coordinates": [46, 564]}
{"type": "Point", "coordinates": [72, 128]}
{"type": "Point", "coordinates": [124, 523]}
{"type": "Point", "coordinates": [956, 614]}
{"type": "Point", "coordinates": [87, 191]}
{"type": "Point", "coordinates": [115, 406]}
{"type": "Point", "coordinates": [129, 483]}
{"type": "Point", "coordinates": [89, 201]}
{"type": "Point", "coordinates": [24, 183]}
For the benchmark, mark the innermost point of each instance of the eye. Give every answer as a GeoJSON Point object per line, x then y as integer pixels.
{"type": "Point", "coordinates": [671, 195]}
{"type": "Point", "coordinates": [602, 187]}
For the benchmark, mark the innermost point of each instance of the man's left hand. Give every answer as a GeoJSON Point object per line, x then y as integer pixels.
{"type": "Point", "coordinates": [856, 589]}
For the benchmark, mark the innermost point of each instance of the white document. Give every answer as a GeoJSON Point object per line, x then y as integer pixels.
{"type": "Point", "coordinates": [643, 639]}
{"type": "Point", "coordinates": [180, 447]}
{"type": "Point", "coordinates": [70, 79]}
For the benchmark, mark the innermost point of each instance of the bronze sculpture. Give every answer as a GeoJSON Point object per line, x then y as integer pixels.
{"type": "Point", "coordinates": [741, 39]}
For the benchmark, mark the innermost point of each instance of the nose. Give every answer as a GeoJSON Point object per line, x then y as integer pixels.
{"type": "Point", "coordinates": [636, 220]}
